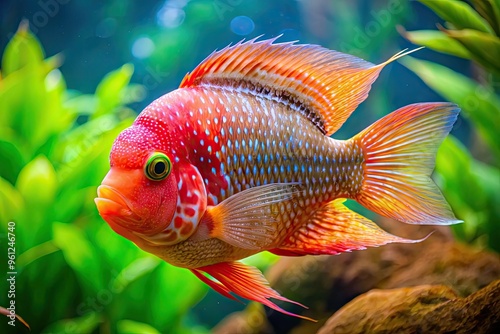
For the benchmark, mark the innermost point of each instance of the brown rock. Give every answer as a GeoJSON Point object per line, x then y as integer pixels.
{"type": "Point", "coordinates": [421, 309]}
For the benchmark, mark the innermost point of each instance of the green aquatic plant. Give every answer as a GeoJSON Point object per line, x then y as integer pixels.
{"type": "Point", "coordinates": [73, 275]}
{"type": "Point", "coordinates": [470, 185]}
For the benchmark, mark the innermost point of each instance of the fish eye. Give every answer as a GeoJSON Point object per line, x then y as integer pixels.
{"type": "Point", "coordinates": [157, 167]}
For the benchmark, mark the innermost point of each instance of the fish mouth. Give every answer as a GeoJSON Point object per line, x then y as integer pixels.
{"type": "Point", "coordinates": [116, 208]}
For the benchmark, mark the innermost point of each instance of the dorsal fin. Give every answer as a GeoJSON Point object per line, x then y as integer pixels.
{"type": "Point", "coordinates": [324, 85]}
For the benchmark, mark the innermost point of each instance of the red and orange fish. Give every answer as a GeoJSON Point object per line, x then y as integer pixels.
{"type": "Point", "coordinates": [239, 160]}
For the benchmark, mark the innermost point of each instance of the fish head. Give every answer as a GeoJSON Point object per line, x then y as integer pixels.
{"type": "Point", "coordinates": [139, 193]}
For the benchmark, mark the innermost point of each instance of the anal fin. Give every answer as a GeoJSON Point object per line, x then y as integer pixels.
{"type": "Point", "coordinates": [334, 229]}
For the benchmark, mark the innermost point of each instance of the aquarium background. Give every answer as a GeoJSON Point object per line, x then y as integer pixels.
{"type": "Point", "coordinates": [77, 73]}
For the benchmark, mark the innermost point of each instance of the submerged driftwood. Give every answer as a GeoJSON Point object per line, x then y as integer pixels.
{"type": "Point", "coordinates": [327, 283]}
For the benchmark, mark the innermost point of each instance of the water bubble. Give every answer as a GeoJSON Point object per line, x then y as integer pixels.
{"type": "Point", "coordinates": [143, 47]}
{"type": "Point", "coordinates": [171, 14]}
{"type": "Point", "coordinates": [242, 25]}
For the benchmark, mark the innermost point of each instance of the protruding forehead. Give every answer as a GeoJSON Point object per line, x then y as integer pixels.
{"type": "Point", "coordinates": [134, 144]}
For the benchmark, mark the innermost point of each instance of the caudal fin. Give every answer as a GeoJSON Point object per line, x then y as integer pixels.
{"type": "Point", "coordinates": [400, 151]}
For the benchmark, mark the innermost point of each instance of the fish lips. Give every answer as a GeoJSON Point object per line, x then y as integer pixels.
{"type": "Point", "coordinates": [114, 208]}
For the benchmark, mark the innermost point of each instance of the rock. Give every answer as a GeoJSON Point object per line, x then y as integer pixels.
{"type": "Point", "coordinates": [421, 309]}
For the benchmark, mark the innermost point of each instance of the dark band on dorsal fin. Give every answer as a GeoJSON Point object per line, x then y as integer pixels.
{"type": "Point", "coordinates": [272, 93]}
{"type": "Point", "coordinates": [324, 85]}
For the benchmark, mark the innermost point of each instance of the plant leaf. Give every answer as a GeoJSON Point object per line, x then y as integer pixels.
{"type": "Point", "coordinates": [36, 252]}
{"type": "Point", "coordinates": [489, 179]}
{"type": "Point", "coordinates": [483, 48]}
{"type": "Point", "coordinates": [110, 90]}
{"type": "Point", "coordinates": [128, 327]}
{"type": "Point", "coordinates": [490, 10]}
{"type": "Point", "coordinates": [37, 182]}
{"type": "Point", "coordinates": [22, 50]}
{"type": "Point", "coordinates": [478, 103]}
{"type": "Point", "coordinates": [12, 159]}
{"type": "Point", "coordinates": [84, 324]}
{"type": "Point", "coordinates": [459, 13]}
{"type": "Point", "coordinates": [32, 104]}
{"type": "Point", "coordinates": [11, 202]}
{"type": "Point", "coordinates": [133, 271]}
{"type": "Point", "coordinates": [436, 40]}
{"type": "Point", "coordinates": [471, 191]}
{"type": "Point", "coordinates": [79, 254]}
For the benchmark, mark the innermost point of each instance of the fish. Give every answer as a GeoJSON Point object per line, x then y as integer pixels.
{"type": "Point", "coordinates": [239, 160]}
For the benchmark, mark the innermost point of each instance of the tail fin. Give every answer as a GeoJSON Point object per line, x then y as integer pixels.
{"type": "Point", "coordinates": [400, 151]}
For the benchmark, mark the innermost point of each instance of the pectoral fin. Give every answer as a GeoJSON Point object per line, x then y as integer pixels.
{"type": "Point", "coordinates": [249, 218]}
{"type": "Point", "coordinates": [244, 281]}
